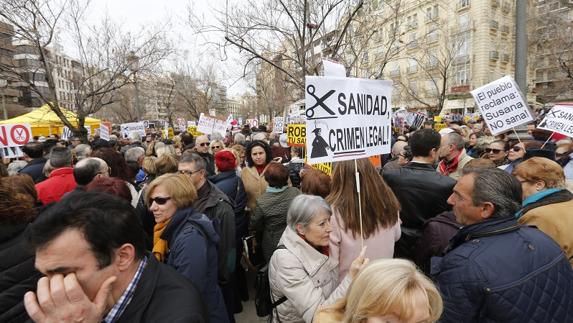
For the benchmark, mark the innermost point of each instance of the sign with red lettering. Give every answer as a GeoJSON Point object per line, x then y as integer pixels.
{"type": "Point", "coordinates": [12, 136]}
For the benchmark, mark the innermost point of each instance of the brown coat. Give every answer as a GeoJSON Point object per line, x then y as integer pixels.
{"type": "Point", "coordinates": [255, 185]}
{"type": "Point", "coordinates": [555, 220]}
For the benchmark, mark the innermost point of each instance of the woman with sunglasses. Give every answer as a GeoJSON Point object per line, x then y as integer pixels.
{"type": "Point", "coordinates": [547, 204]}
{"type": "Point", "coordinates": [216, 146]}
{"type": "Point", "coordinates": [517, 152]}
{"type": "Point", "coordinates": [497, 152]}
{"type": "Point", "coordinates": [185, 239]}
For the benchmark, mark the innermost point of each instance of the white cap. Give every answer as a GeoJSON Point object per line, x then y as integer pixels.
{"type": "Point", "coordinates": [446, 131]}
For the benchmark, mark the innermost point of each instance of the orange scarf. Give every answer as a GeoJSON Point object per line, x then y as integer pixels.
{"type": "Point", "coordinates": [159, 245]}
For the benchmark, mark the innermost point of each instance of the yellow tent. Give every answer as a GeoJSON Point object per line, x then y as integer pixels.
{"type": "Point", "coordinates": [45, 122]}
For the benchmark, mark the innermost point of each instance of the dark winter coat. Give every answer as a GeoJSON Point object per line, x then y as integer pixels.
{"type": "Point", "coordinates": [435, 238]}
{"type": "Point", "coordinates": [35, 168]}
{"type": "Point", "coordinates": [212, 202]}
{"type": "Point", "coordinates": [294, 167]}
{"type": "Point", "coordinates": [270, 217]}
{"type": "Point", "coordinates": [163, 295]}
{"type": "Point", "coordinates": [192, 242]}
{"type": "Point", "coordinates": [17, 272]}
{"type": "Point", "coordinates": [232, 185]}
{"type": "Point", "coordinates": [423, 194]}
{"type": "Point", "coordinates": [500, 271]}
{"type": "Point", "coordinates": [210, 163]}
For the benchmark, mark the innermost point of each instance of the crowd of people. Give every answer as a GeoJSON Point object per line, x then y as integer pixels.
{"type": "Point", "coordinates": [454, 226]}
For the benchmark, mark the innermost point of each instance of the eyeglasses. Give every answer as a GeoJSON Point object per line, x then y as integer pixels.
{"type": "Point", "coordinates": [216, 147]}
{"type": "Point", "coordinates": [493, 150]}
{"type": "Point", "coordinates": [203, 144]}
{"type": "Point", "coordinates": [159, 200]}
{"type": "Point", "coordinates": [516, 149]}
{"type": "Point", "coordinates": [188, 172]}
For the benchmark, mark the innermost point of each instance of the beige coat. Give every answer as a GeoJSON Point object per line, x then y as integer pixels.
{"type": "Point", "coordinates": [556, 221]}
{"type": "Point", "coordinates": [308, 278]}
{"type": "Point", "coordinates": [255, 185]}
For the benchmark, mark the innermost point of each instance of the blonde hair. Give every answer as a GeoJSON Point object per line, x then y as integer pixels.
{"type": "Point", "coordinates": [148, 165]}
{"type": "Point", "coordinates": [388, 286]}
{"type": "Point", "coordinates": [214, 142]}
{"type": "Point", "coordinates": [179, 187]}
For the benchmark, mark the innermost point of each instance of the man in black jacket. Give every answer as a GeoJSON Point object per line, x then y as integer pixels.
{"type": "Point", "coordinates": [34, 155]}
{"type": "Point", "coordinates": [220, 209]}
{"type": "Point", "coordinates": [422, 192]}
{"type": "Point", "coordinates": [91, 249]}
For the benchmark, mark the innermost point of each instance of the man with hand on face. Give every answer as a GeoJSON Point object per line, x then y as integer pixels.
{"type": "Point", "coordinates": [202, 148]}
{"type": "Point", "coordinates": [91, 249]}
{"type": "Point", "coordinates": [496, 270]}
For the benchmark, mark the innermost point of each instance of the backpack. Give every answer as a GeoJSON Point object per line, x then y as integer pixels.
{"type": "Point", "coordinates": [263, 299]}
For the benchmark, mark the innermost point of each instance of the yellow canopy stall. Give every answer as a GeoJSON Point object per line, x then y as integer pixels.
{"type": "Point", "coordinates": [45, 122]}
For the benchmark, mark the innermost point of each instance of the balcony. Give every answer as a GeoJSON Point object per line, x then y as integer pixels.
{"type": "Point", "coordinates": [493, 25]}
{"type": "Point", "coordinates": [463, 5]}
{"type": "Point", "coordinates": [504, 30]}
{"type": "Point", "coordinates": [505, 58]}
{"type": "Point", "coordinates": [493, 55]}
{"type": "Point", "coordinates": [506, 7]}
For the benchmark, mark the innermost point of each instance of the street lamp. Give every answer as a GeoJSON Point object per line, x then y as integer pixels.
{"type": "Point", "coordinates": [133, 63]}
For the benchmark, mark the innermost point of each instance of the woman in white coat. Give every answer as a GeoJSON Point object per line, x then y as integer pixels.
{"type": "Point", "coordinates": [300, 268]}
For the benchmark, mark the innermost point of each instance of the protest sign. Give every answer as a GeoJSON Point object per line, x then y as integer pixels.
{"type": "Point", "coordinates": [253, 123]}
{"type": "Point", "coordinates": [193, 130]}
{"type": "Point", "coordinates": [333, 69]}
{"type": "Point", "coordinates": [104, 131]}
{"type": "Point", "coordinates": [12, 137]}
{"type": "Point", "coordinates": [559, 119]}
{"type": "Point", "coordinates": [67, 133]}
{"type": "Point", "coordinates": [296, 135]}
{"type": "Point", "coordinates": [502, 106]}
{"type": "Point", "coordinates": [278, 124]}
{"type": "Point", "coordinates": [209, 125]}
{"type": "Point", "coordinates": [353, 115]}
{"type": "Point", "coordinates": [131, 127]}
{"type": "Point", "coordinates": [323, 167]}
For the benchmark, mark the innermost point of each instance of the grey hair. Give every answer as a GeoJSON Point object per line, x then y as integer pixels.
{"type": "Point", "coordinates": [189, 157]}
{"type": "Point", "coordinates": [497, 187]}
{"type": "Point", "coordinates": [239, 138]}
{"type": "Point", "coordinates": [133, 154]}
{"type": "Point", "coordinates": [135, 136]}
{"type": "Point", "coordinates": [303, 208]}
{"type": "Point", "coordinates": [456, 140]}
{"type": "Point", "coordinates": [82, 151]}
{"type": "Point", "coordinates": [60, 157]}
{"type": "Point", "coordinates": [15, 167]}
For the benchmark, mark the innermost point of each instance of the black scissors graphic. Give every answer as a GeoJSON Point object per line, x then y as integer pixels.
{"type": "Point", "coordinates": [319, 101]}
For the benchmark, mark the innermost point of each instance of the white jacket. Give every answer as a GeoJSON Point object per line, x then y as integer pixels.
{"type": "Point", "coordinates": [308, 278]}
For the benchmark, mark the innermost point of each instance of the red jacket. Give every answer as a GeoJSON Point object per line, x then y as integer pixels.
{"type": "Point", "coordinates": [59, 182]}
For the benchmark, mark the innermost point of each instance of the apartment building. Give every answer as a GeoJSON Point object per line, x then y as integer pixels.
{"type": "Point", "coordinates": [64, 72]}
{"type": "Point", "coordinates": [9, 94]}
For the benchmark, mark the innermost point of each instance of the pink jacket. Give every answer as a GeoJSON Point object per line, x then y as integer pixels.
{"type": "Point", "coordinates": [345, 248]}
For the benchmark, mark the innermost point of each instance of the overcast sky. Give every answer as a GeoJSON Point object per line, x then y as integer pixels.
{"type": "Point", "coordinates": [136, 13]}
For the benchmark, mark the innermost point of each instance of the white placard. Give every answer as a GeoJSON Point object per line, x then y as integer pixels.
{"type": "Point", "coordinates": [103, 132]}
{"type": "Point", "coordinates": [128, 128]}
{"type": "Point", "coordinates": [191, 124]}
{"type": "Point", "coordinates": [278, 124]}
{"type": "Point", "coordinates": [559, 119]}
{"type": "Point", "coordinates": [209, 125]}
{"type": "Point", "coordinates": [347, 118]}
{"type": "Point", "coordinates": [13, 135]}
{"type": "Point", "coordinates": [502, 106]}
{"type": "Point", "coordinates": [67, 133]}
{"type": "Point", "coordinates": [333, 69]}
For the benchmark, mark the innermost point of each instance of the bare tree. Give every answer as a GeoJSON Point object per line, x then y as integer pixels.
{"type": "Point", "coordinates": [106, 54]}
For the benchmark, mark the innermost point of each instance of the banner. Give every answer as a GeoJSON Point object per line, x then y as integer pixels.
{"type": "Point", "coordinates": [103, 131]}
{"type": "Point", "coordinates": [209, 125]}
{"type": "Point", "coordinates": [559, 119]}
{"type": "Point", "coordinates": [296, 135]}
{"type": "Point", "coordinates": [278, 124]}
{"type": "Point", "coordinates": [347, 118]}
{"type": "Point", "coordinates": [128, 128]}
{"type": "Point", "coordinates": [323, 167]}
{"type": "Point", "coordinates": [67, 133]}
{"type": "Point", "coordinates": [12, 137]}
{"type": "Point", "coordinates": [502, 106]}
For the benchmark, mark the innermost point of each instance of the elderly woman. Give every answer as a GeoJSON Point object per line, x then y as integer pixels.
{"type": "Point", "coordinates": [302, 276]}
{"type": "Point", "coordinates": [387, 290]}
{"type": "Point", "coordinates": [269, 218]}
{"type": "Point", "coordinates": [546, 203]}
{"type": "Point", "coordinates": [185, 239]}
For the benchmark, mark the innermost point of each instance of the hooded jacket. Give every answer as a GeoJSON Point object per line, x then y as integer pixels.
{"type": "Point", "coordinates": [192, 242]}
{"type": "Point", "coordinates": [308, 279]}
{"type": "Point", "coordinates": [500, 271]}
{"type": "Point", "coordinates": [60, 181]}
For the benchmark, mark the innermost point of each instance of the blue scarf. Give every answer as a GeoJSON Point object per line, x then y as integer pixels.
{"type": "Point", "coordinates": [536, 197]}
{"type": "Point", "coordinates": [275, 189]}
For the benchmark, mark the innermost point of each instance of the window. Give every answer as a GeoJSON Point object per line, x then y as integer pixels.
{"type": "Point", "coordinates": [432, 13]}
{"type": "Point", "coordinates": [461, 75]}
{"type": "Point", "coordinates": [413, 87]}
{"type": "Point", "coordinates": [464, 22]}
{"type": "Point", "coordinates": [412, 65]}
{"type": "Point", "coordinates": [464, 3]}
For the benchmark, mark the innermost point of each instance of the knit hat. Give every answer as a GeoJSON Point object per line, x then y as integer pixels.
{"type": "Point", "coordinates": [225, 160]}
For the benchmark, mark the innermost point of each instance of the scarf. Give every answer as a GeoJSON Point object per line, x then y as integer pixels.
{"type": "Point", "coordinates": [545, 197]}
{"type": "Point", "coordinates": [260, 168]}
{"type": "Point", "coordinates": [276, 189]}
{"type": "Point", "coordinates": [325, 250]}
{"type": "Point", "coordinates": [448, 167]}
{"type": "Point", "coordinates": [159, 245]}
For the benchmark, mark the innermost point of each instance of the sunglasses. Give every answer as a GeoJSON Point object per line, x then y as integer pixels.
{"type": "Point", "coordinates": [216, 147]}
{"type": "Point", "coordinates": [159, 200]}
{"type": "Point", "coordinates": [516, 149]}
{"type": "Point", "coordinates": [203, 144]}
{"type": "Point", "coordinates": [493, 150]}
